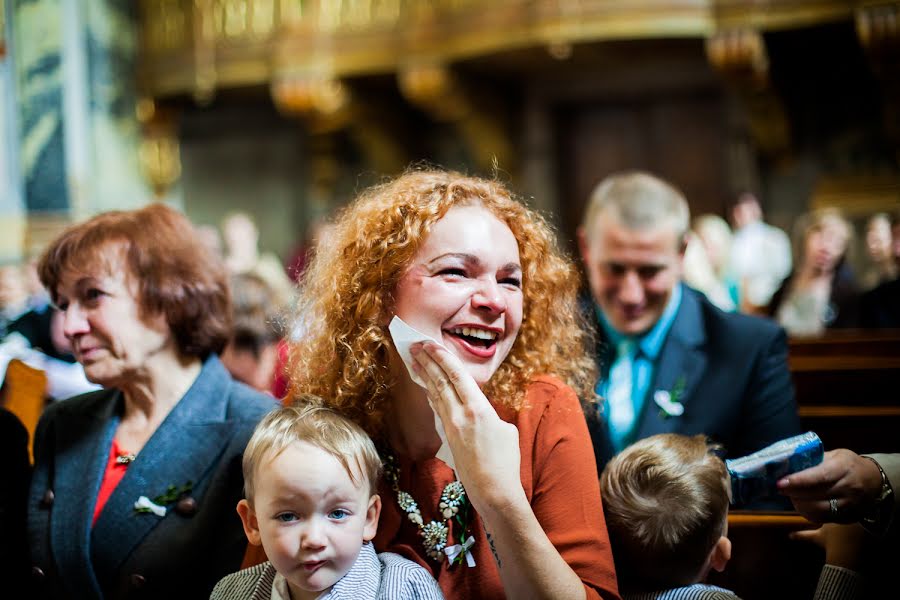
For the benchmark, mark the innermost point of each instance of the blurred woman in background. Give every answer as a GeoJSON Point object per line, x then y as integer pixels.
{"type": "Point", "coordinates": [716, 237]}
{"type": "Point", "coordinates": [822, 292]}
{"type": "Point", "coordinates": [882, 265]}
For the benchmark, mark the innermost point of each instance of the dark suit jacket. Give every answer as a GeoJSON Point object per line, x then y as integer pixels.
{"type": "Point", "coordinates": [129, 554]}
{"type": "Point", "coordinates": [737, 388]}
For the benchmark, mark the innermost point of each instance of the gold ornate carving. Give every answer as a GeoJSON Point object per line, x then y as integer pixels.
{"type": "Point", "coordinates": [231, 18]}
{"type": "Point", "coordinates": [382, 36]}
{"type": "Point", "coordinates": [289, 12]}
{"type": "Point", "coordinates": [159, 155]}
{"type": "Point", "coordinates": [307, 50]}
{"type": "Point", "coordinates": [165, 25]}
{"type": "Point", "coordinates": [315, 97]}
{"type": "Point", "coordinates": [878, 27]}
{"type": "Point", "coordinates": [237, 19]}
{"type": "Point", "coordinates": [204, 52]}
{"type": "Point", "coordinates": [740, 55]}
{"type": "Point", "coordinates": [778, 14]}
{"type": "Point", "coordinates": [160, 162]}
{"type": "Point", "coordinates": [262, 18]}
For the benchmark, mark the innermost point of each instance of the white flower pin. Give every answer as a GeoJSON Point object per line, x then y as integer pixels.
{"type": "Point", "coordinates": [144, 504]}
{"type": "Point", "coordinates": [664, 401]}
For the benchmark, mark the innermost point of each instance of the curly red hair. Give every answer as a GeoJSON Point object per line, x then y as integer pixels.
{"type": "Point", "coordinates": [346, 296]}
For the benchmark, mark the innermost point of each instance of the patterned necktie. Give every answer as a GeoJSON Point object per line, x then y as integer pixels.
{"type": "Point", "coordinates": [621, 405]}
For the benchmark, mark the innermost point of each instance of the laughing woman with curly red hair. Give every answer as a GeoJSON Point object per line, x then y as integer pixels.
{"type": "Point", "coordinates": [460, 260]}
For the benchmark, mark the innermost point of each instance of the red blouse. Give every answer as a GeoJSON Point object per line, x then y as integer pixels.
{"type": "Point", "coordinates": [114, 473]}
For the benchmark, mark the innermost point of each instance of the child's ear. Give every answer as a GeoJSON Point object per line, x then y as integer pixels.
{"type": "Point", "coordinates": [251, 525]}
{"type": "Point", "coordinates": [372, 514]}
{"type": "Point", "coordinates": [721, 554]}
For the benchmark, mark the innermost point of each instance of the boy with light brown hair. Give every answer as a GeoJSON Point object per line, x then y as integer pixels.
{"type": "Point", "coordinates": [666, 502]}
{"type": "Point", "coordinates": [666, 499]}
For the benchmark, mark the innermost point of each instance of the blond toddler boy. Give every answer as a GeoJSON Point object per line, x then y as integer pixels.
{"type": "Point", "coordinates": [310, 477]}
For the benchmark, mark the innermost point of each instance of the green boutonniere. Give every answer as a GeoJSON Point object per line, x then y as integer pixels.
{"type": "Point", "coordinates": [669, 402]}
{"type": "Point", "coordinates": [158, 504]}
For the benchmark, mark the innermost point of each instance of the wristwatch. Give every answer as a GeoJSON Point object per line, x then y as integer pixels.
{"type": "Point", "coordinates": [877, 518]}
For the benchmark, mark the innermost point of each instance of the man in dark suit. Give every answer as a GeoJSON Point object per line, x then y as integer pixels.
{"type": "Point", "coordinates": [670, 361]}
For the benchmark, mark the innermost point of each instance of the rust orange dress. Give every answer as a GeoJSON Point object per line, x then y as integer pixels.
{"type": "Point", "coordinates": [559, 475]}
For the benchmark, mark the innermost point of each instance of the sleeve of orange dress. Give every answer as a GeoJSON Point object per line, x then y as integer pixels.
{"type": "Point", "coordinates": [566, 489]}
{"type": "Point", "coordinates": [253, 555]}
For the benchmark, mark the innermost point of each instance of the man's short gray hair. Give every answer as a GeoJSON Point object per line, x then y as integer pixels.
{"type": "Point", "coordinates": [638, 200]}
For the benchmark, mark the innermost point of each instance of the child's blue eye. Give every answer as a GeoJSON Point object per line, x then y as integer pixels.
{"type": "Point", "coordinates": [286, 517]}
{"type": "Point", "coordinates": [338, 514]}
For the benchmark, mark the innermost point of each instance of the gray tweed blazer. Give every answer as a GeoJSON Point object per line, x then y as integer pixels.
{"type": "Point", "coordinates": [384, 576]}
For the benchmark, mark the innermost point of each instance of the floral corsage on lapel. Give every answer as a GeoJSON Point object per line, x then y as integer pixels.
{"type": "Point", "coordinates": [173, 495]}
{"type": "Point", "coordinates": [669, 403]}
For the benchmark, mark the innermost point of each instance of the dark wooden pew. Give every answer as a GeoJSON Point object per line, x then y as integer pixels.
{"type": "Point", "coordinates": [848, 388]}
{"type": "Point", "coordinates": [848, 392]}
{"type": "Point", "coordinates": [766, 563]}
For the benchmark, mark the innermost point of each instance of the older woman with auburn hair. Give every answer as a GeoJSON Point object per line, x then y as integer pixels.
{"type": "Point", "coordinates": [135, 485]}
{"type": "Point", "coordinates": [461, 261]}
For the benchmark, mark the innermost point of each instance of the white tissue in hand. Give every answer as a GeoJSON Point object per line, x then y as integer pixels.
{"type": "Point", "coordinates": [405, 336]}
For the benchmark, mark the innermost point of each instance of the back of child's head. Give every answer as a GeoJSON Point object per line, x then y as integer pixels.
{"type": "Point", "coordinates": [307, 420]}
{"type": "Point", "coordinates": [666, 504]}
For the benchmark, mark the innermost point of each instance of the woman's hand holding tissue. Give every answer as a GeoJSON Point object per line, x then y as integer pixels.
{"type": "Point", "coordinates": [485, 447]}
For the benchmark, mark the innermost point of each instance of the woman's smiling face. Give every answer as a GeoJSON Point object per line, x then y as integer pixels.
{"type": "Point", "coordinates": [464, 289]}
